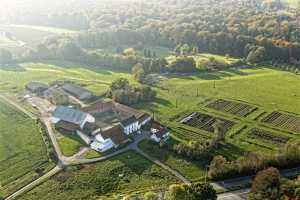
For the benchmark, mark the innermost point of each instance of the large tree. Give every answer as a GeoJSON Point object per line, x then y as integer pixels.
{"type": "Point", "coordinates": [5, 56]}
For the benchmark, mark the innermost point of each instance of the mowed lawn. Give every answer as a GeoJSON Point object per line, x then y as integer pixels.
{"type": "Point", "coordinates": [269, 88]}
{"type": "Point", "coordinates": [22, 150]}
{"type": "Point", "coordinates": [96, 79]}
{"type": "Point", "coordinates": [123, 174]}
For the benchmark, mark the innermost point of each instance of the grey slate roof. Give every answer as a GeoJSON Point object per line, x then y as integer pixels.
{"type": "Point", "coordinates": [33, 86]}
{"type": "Point", "coordinates": [75, 90]}
{"type": "Point", "coordinates": [69, 115]}
{"type": "Point", "coordinates": [129, 121]}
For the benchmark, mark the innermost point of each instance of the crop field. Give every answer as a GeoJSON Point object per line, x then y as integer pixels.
{"type": "Point", "coordinates": [283, 121]}
{"type": "Point", "coordinates": [268, 136]}
{"type": "Point", "coordinates": [206, 122]}
{"type": "Point", "coordinates": [23, 154]}
{"type": "Point", "coordinates": [231, 107]}
{"type": "Point", "coordinates": [126, 173]}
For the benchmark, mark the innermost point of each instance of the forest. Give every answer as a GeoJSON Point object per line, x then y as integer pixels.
{"type": "Point", "coordinates": [255, 31]}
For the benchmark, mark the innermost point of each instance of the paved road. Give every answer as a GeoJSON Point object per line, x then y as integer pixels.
{"type": "Point", "coordinates": [236, 195]}
{"type": "Point", "coordinates": [35, 183]}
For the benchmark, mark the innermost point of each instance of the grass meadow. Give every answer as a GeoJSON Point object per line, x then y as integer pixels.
{"type": "Point", "coordinates": [22, 150]}
{"type": "Point", "coordinates": [123, 174]}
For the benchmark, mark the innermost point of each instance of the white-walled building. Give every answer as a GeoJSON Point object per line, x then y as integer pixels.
{"type": "Point", "coordinates": [130, 125]}
{"type": "Point", "coordinates": [110, 138]}
{"type": "Point", "coordinates": [159, 132]}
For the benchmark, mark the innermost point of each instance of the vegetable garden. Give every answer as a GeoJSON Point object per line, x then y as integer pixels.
{"type": "Point", "coordinates": [283, 121]}
{"type": "Point", "coordinates": [207, 122]}
{"type": "Point", "coordinates": [231, 107]}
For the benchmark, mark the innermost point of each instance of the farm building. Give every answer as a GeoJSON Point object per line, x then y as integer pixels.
{"type": "Point", "coordinates": [110, 138]}
{"type": "Point", "coordinates": [159, 132]}
{"type": "Point", "coordinates": [130, 125]}
{"type": "Point", "coordinates": [71, 116]}
{"type": "Point", "coordinates": [56, 96]}
{"type": "Point", "coordinates": [110, 112]}
{"type": "Point", "coordinates": [36, 87]}
{"type": "Point", "coordinates": [77, 91]}
{"type": "Point", "coordinates": [103, 125]}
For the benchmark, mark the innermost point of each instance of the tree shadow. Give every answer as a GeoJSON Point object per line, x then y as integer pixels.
{"type": "Point", "coordinates": [230, 151]}
{"type": "Point", "coordinates": [71, 65]}
{"type": "Point", "coordinates": [12, 68]}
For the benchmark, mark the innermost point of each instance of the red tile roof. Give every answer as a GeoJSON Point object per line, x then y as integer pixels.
{"type": "Point", "coordinates": [116, 134]}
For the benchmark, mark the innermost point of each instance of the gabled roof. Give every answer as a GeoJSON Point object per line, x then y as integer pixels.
{"type": "Point", "coordinates": [161, 130]}
{"type": "Point", "coordinates": [89, 128]}
{"type": "Point", "coordinates": [98, 107]}
{"type": "Point", "coordinates": [69, 115]}
{"type": "Point", "coordinates": [129, 121]}
{"type": "Point", "coordinates": [116, 134]}
{"type": "Point", "coordinates": [36, 85]}
{"type": "Point", "coordinates": [66, 125]}
{"type": "Point", "coordinates": [144, 117]}
{"type": "Point", "coordinates": [75, 89]}
{"type": "Point", "coordinates": [123, 108]}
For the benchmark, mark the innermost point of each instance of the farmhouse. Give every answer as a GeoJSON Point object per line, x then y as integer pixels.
{"type": "Point", "coordinates": [159, 132]}
{"type": "Point", "coordinates": [110, 112]}
{"type": "Point", "coordinates": [77, 91]}
{"type": "Point", "coordinates": [36, 87]}
{"type": "Point", "coordinates": [112, 137]}
{"type": "Point", "coordinates": [130, 125]}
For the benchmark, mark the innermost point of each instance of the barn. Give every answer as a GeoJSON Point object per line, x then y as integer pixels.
{"type": "Point", "coordinates": [77, 91]}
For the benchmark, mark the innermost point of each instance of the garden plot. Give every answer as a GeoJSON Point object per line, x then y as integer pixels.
{"type": "Point", "coordinates": [207, 122]}
{"type": "Point", "coordinates": [267, 136]}
{"type": "Point", "coordinates": [283, 121]}
{"type": "Point", "coordinates": [231, 107]}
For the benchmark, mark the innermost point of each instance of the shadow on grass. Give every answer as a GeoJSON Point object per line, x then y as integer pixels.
{"type": "Point", "coordinates": [230, 151]}
{"type": "Point", "coordinates": [73, 65]}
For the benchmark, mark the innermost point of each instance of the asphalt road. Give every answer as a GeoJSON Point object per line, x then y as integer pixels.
{"type": "Point", "coordinates": [236, 195]}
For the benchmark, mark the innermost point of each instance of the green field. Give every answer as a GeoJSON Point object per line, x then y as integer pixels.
{"type": "Point", "coordinates": [194, 171]}
{"type": "Point", "coordinates": [30, 35]}
{"type": "Point", "coordinates": [123, 174]}
{"type": "Point", "coordinates": [6, 42]}
{"type": "Point", "coordinates": [96, 79]}
{"type": "Point", "coordinates": [69, 145]}
{"type": "Point", "coordinates": [42, 28]}
{"type": "Point", "coordinates": [22, 150]}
